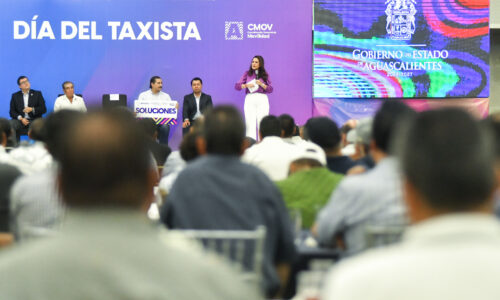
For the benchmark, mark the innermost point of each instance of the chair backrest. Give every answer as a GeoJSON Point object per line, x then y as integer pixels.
{"type": "Point", "coordinates": [243, 248]}
{"type": "Point", "coordinates": [382, 235]}
{"type": "Point", "coordinates": [108, 103]}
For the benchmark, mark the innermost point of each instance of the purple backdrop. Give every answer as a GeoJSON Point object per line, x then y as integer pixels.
{"type": "Point", "coordinates": [110, 65]}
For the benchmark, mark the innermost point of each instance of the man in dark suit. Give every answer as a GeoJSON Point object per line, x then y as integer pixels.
{"type": "Point", "coordinates": [195, 104]}
{"type": "Point", "coordinates": [25, 106]}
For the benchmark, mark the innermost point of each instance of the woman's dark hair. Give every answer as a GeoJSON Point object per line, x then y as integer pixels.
{"type": "Point", "coordinates": [262, 71]}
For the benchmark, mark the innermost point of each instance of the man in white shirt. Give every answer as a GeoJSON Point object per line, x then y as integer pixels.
{"type": "Point", "coordinates": [272, 155]}
{"type": "Point", "coordinates": [69, 100]}
{"type": "Point", "coordinates": [107, 248]}
{"type": "Point", "coordinates": [155, 94]}
{"type": "Point", "coordinates": [452, 249]}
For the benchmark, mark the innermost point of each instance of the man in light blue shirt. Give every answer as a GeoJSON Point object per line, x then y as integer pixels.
{"type": "Point", "coordinates": [372, 198]}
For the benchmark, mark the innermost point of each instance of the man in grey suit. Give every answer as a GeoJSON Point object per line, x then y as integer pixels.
{"type": "Point", "coordinates": [195, 104]}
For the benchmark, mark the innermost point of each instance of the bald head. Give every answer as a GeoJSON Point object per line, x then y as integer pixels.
{"type": "Point", "coordinates": [105, 162]}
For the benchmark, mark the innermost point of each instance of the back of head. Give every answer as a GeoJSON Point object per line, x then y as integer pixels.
{"type": "Point", "coordinates": [224, 131]}
{"type": "Point", "coordinates": [5, 130]}
{"type": "Point", "coordinates": [287, 124]}
{"type": "Point", "coordinates": [148, 127]}
{"type": "Point", "coordinates": [387, 120]}
{"type": "Point", "coordinates": [188, 147]}
{"type": "Point", "coordinates": [493, 123]}
{"type": "Point", "coordinates": [323, 132]}
{"type": "Point", "coordinates": [270, 126]}
{"type": "Point", "coordinates": [36, 130]}
{"type": "Point", "coordinates": [105, 162]}
{"type": "Point", "coordinates": [448, 158]}
{"type": "Point", "coordinates": [55, 127]}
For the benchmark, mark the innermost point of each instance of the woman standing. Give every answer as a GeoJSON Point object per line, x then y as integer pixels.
{"type": "Point", "coordinates": [257, 85]}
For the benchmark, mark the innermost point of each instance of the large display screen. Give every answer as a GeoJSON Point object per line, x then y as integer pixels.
{"type": "Point", "coordinates": [401, 48]}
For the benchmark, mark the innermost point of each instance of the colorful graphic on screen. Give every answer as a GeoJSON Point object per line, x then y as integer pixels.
{"type": "Point", "coordinates": [401, 48]}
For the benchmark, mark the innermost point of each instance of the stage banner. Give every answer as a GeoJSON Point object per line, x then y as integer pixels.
{"type": "Point", "coordinates": [401, 48]}
{"type": "Point", "coordinates": [115, 46]}
{"type": "Point", "coordinates": [161, 113]}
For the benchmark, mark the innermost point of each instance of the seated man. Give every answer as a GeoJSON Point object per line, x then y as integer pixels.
{"type": "Point", "coordinates": [370, 199]}
{"type": "Point", "coordinates": [452, 248]}
{"type": "Point", "coordinates": [69, 100]}
{"type": "Point", "coordinates": [8, 175]}
{"type": "Point", "coordinates": [324, 132]}
{"type": "Point", "coordinates": [35, 205]}
{"type": "Point", "coordinates": [160, 152]}
{"type": "Point", "coordinates": [33, 158]}
{"type": "Point", "coordinates": [219, 192]}
{"type": "Point", "coordinates": [107, 248]}
{"type": "Point", "coordinates": [310, 183]}
{"type": "Point", "coordinates": [195, 104]}
{"type": "Point", "coordinates": [25, 106]}
{"type": "Point", "coordinates": [155, 95]}
{"type": "Point", "coordinates": [272, 154]}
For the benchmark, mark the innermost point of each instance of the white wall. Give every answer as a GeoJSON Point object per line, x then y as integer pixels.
{"type": "Point", "coordinates": [494, 14]}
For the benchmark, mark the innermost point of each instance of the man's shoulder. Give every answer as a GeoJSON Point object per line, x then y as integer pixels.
{"type": "Point", "coordinates": [188, 97]}
{"type": "Point", "coordinates": [144, 93]}
{"type": "Point", "coordinates": [60, 98]}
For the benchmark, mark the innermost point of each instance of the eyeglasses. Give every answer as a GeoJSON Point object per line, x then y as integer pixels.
{"type": "Point", "coordinates": [23, 82]}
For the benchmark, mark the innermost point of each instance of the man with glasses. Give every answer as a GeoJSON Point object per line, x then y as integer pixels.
{"type": "Point", "coordinates": [26, 105]}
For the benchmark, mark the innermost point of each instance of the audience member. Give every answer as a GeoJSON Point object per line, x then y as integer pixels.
{"type": "Point", "coordinates": [26, 105]}
{"type": "Point", "coordinates": [33, 158]}
{"type": "Point", "coordinates": [8, 174]}
{"type": "Point", "coordinates": [345, 131]}
{"type": "Point", "coordinates": [372, 198]}
{"type": "Point", "coordinates": [310, 183]}
{"type": "Point", "coordinates": [188, 152]}
{"type": "Point", "coordinates": [108, 246]}
{"type": "Point", "coordinates": [69, 100]}
{"type": "Point", "coordinates": [218, 191]}
{"type": "Point", "coordinates": [159, 151]}
{"type": "Point", "coordinates": [272, 155]}
{"type": "Point", "coordinates": [493, 123]}
{"type": "Point", "coordinates": [5, 132]}
{"type": "Point", "coordinates": [289, 131]}
{"type": "Point", "coordinates": [36, 208]}
{"type": "Point", "coordinates": [362, 143]}
{"type": "Point", "coordinates": [451, 250]}
{"type": "Point", "coordinates": [325, 133]}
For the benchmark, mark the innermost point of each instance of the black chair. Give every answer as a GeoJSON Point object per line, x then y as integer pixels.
{"type": "Point", "coordinates": [108, 103]}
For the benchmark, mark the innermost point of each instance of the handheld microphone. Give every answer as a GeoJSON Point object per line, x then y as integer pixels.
{"type": "Point", "coordinates": [257, 73]}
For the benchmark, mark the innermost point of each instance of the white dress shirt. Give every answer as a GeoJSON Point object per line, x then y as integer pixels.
{"type": "Point", "coordinates": [62, 102]}
{"type": "Point", "coordinates": [25, 100]}
{"type": "Point", "coordinates": [149, 96]}
{"type": "Point", "coordinates": [456, 256]}
{"type": "Point", "coordinates": [273, 156]}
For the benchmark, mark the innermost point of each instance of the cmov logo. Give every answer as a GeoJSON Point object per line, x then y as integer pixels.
{"type": "Point", "coordinates": [234, 30]}
{"type": "Point", "coordinates": [260, 31]}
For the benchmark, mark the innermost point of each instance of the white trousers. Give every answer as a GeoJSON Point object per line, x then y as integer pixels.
{"type": "Point", "coordinates": [256, 107]}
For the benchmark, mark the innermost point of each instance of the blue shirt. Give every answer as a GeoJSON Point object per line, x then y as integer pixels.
{"type": "Point", "coordinates": [219, 192]}
{"type": "Point", "coordinates": [371, 198]}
